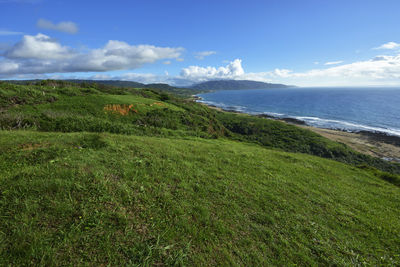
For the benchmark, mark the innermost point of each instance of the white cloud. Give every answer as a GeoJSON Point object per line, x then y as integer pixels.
{"type": "Point", "coordinates": [38, 55]}
{"type": "Point", "coordinates": [63, 26]}
{"type": "Point", "coordinates": [39, 46]}
{"type": "Point", "coordinates": [231, 71]}
{"type": "Point", "coordinates": [42, 54]}
{"type": "Point", "coordinates": [282, 73]}
{"type": "Point", "coordinates": [333, 63]}
{"type": "Point", "coordinates": [389, 45]}
{"type": "Point", "coordinates": [202, 55]}
{"type": "Point", "coordinates": [380, 70]}
{"type": "Point", "coordinates": [120, 55]}
{"type": "Point", "coordinates": [4, 32]}
{"type": "Point", "coordinates": [180, 59]}
{"type": "Point", "coordinates": [168, 62]}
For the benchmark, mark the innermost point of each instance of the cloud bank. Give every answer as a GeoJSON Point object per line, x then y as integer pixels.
{"type": "Point", "coordinates": [41, 54]}
{"type": "Point", "coordinates": [196, 73]}
{"type": "Point", "coordinates": [380, 70]}
{"type": "Point", "coordinates": [64, 26]}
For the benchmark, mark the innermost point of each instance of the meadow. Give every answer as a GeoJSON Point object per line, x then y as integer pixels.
{"type": "Point", "coordinates": [101, 175]}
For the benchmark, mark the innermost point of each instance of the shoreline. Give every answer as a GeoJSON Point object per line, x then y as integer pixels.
{"type": "Point", "coordinates": [376, 144]}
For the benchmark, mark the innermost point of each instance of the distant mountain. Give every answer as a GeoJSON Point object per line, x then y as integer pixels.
{"type": "Point", "coordinates": [236, 85]}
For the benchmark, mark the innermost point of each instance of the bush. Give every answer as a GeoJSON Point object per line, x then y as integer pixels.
{"type": "Point", "coordinates": [164, 97]}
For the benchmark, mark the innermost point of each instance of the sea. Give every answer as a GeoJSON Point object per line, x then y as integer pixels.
{"type": "Point", "coordinates": [349, 109]}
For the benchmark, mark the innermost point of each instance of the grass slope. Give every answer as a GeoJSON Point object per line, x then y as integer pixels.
{"type": "Point", "coordinates": [186, 92]}
{"type": "Point", "coordinates": [99, 175]}
{"type": "Point", "coordinates": [62, 106]}
{"type": "Point", "coordinates": [69, 199]}
{"type": "Point", "coordinates": [67, 108]}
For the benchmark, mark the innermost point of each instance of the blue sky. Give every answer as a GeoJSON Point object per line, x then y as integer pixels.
{"type": "Point", "coordinates": [308, 42]}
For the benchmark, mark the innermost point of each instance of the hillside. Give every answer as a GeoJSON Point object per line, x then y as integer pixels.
{"type": "Point", "coordinates": [236, 85]}
{"type": "Point", "coordinates": [124, 176]}
{"type": "Point", "coordinates": [186, 92]}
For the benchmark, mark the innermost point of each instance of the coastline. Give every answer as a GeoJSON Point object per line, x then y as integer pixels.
{"type": "Point", "coordinates": [375, 144]}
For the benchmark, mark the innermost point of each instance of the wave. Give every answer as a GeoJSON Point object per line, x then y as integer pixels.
{"type": "Point", "coordinates": [346, 126]}
{"type": "Point", "coordinates": [311, 121]}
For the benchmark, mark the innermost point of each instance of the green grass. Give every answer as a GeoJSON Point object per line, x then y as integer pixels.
{"type": "Point", "coordinates": [180, 184]}
{"type": "Point", "coordinates": [111, 199]}
{"type": "Point", "coordinates": [278, 135]}
{"type": "Point", "coordinates": [74, 109]}
{"type": "Point", "coordinates": [64, 107]}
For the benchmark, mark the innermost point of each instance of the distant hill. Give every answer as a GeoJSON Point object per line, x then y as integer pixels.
{"type": "Point", "coordinates": [116, 83]}
{"type": "Point", "coordinates": [182, 91]}
{"type": "Point", "coordinates": [236, 85]}
{"type": "Point", "coordinates": [129, 84]}
{"type": "Point", "coordinates": [186, 92]}
{"type": "Point", "coordinates": [159, 86]}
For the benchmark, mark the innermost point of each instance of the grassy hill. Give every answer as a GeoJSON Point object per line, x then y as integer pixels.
{"type": "Point", "coordinates": [186, 92]}
{"type": "Point", "coordinates": [122, 176]}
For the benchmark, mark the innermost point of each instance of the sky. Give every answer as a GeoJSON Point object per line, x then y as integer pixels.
{"type": "Point", "coordinates": [182, 42]}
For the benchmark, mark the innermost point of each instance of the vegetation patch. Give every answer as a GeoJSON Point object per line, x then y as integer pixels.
{"type": "Point", "coordinates": [120, 109]}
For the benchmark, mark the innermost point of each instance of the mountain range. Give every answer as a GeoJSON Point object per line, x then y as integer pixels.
{"type": "Point", "coordinates": [236, 85]}
{"type": "Point", "coordinates": [202, 87]}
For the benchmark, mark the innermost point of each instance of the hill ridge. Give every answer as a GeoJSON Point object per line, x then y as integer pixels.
{"type": "Point", "coordinates": [236, 85]}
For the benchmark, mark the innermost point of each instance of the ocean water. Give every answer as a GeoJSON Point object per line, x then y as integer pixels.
{"type": "Point", "coordinates": [349, 109]}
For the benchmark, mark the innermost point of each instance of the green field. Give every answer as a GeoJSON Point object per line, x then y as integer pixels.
{"type": "Point", "coordinates": [176, 183]}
